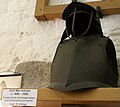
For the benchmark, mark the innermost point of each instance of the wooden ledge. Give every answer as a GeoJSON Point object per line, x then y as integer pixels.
{"type": "Point", "coordinates": [98, 97]}
{"type": "Point", "coordinates": [98, 94]}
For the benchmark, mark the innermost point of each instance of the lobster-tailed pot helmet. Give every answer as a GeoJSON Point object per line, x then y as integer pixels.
{"type": "Point", "coordinates": [84, 57]}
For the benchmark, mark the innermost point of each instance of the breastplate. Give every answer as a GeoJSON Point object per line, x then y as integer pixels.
{"type": "Point", "coordinates": [83, 63]}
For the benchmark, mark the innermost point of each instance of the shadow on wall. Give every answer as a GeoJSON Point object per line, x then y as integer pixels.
{"type": "Point", "coordinates": [36, 74]}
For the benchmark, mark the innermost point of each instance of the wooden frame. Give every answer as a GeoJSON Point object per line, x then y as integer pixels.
{"type": "Point", "coordinates": [45, 12]}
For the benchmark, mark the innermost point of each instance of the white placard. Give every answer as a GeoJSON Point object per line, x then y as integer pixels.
{"type": "Point", "coordinates": [19, 97]}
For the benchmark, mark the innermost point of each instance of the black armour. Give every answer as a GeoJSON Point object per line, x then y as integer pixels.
{"type": "Point", "coordinates": [87, 59]}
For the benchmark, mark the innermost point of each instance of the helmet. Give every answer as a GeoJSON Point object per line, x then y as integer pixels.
{"type": "Point", "coordinates": [81, 19]}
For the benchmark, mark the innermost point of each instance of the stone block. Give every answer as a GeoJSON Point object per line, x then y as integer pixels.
{"type": "Point", "coordinates": [36, 74]}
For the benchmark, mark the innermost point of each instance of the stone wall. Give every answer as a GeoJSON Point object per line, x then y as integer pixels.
{"type": "Point", "coordinates": [24, 39]}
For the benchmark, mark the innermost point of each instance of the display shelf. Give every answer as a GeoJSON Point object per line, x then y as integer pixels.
{"type": "Point", "coordinates": [98, 97]}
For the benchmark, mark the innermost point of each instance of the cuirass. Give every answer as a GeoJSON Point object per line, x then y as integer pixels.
{"type": "Point", "coordinates": [83, 63]}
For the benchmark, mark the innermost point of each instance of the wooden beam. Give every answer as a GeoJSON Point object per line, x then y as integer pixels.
{"type": "Point", "coordinates": [46, 2]}
{"type": "Point", "coordinates": [48, 104]}
{"type": "Point", "coordinates": [55, 11]}
{"type": "Point", "coordinates": [39, 10]}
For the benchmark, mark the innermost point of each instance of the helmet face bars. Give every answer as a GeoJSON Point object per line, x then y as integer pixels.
{"type": "Point", "coordinates": [87, 59]}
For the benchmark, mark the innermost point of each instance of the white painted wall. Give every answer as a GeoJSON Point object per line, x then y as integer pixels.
{"type": "Point", "coordinates": [23, 38]}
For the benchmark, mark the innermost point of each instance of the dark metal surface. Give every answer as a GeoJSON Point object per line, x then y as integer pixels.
{"type": "Point", "coordinates": [74, 0]}
{"type": "Point", "coordinates": [87, 61]}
